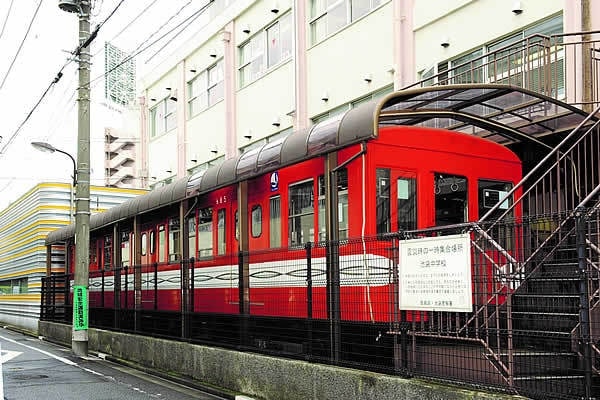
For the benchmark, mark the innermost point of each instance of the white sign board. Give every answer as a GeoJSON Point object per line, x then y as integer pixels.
{"type": "Point", "coordinates": [435, 274]}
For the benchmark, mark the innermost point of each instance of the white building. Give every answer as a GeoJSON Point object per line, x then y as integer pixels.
{"type": "Point", "coordinates": [260, 69]}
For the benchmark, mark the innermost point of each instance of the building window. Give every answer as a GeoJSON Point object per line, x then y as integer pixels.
{"type": "Point", "coordinates": [509, 60]}
{"type": "Point", "coordinates": [345, 107]}
{"type": "Point", "coordinates": [163, 117]}
{"type": "Point", "coordinates": [206, 89]}
{"type": "Point", "coordinates": [266, 49]}
{"type": "Point", "coordinates": [329, 16]}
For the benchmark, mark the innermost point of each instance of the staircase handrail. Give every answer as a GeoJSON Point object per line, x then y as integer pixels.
{"type": "Point", "coordinates": [536, 168]}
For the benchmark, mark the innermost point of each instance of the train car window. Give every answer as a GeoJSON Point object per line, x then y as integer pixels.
{"type": "Point", "coordinates": [144, 247]}
{"type": "Point", "coordinates": [237, 226]}
{"type": "Point", "coordinates": [221, 238]}
{"type": "Point", "coordinates": [125, 249]}
{"type": "Point", "coordinates": [407, 203]}
{"type": "Point", "coordinates": [174, 239]}
{"type": "Point", "coordinates": [383, 200]}
{"type": "Point", "coordinates": [191, 225]}
{"type": "Point", "coordinates": [107, 252]}
{"type": "Point", "coordinates": [152, 242]}
{"type": "Point", "coordinates": [490, 193]}
{"type": "Point", "coordinates": [342, 187]}
{"type": "Point", "coordinates": [450, 199]}
{"type": "Point", "coordinates": [301, 212]}
{"type": "Point", "coordinates": [275, 221]}
{"type": "Point", "coordinates": [93, 256]}
{"type": "Point", "coordinates": [162, 254]}
{"type": "Point", "coordinates": [256, 221]}
{"type": "Point", "coordinates": [205, 232]}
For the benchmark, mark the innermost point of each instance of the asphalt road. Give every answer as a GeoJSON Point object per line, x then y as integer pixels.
{"type": "Point", "coordinates": [34, 369]}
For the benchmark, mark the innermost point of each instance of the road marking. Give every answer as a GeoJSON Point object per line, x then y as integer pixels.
{"type": "Point", "coordinates": [7, 355]}
{"type": "Point", "coordinates": [61, 359]}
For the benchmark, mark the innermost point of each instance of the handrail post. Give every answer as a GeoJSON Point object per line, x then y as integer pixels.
{"type": "Point", "coordinates": [584, 309]}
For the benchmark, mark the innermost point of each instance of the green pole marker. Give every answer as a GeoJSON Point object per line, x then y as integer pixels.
{"type": "Point", "coordinates": [80, 308]}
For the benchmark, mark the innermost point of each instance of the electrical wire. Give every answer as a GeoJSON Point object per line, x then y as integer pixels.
{"type": "Point", "coordinates": [183, 28]}
{"type": "Point", "coordinates": [138, 50]}
{"type": "Point", "coordinates": [6, 18]}
{"type": "Point", "coordinates": [21, 45]}
{"type": "Point", "coordinates": [59, 75]}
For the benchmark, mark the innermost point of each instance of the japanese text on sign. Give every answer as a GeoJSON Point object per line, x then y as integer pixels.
{"type": "Point", "coordinates": [435, 274]}
{"type": "Point", "coordinates": [80, 308]}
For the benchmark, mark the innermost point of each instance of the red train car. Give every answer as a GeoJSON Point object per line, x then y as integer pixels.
{"type": "Point", "coordinates": [342, 179]}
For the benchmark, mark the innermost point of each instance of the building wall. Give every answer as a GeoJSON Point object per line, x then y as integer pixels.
{"type": "Point", "coordinates": [24, 226]}
{"type": "Point", "coordinates": [390, 46]}
{"type": "Point", "coordinates": [470, 24]}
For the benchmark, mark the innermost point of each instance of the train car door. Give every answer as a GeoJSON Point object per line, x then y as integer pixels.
{"type": "Point", "coordinates": [396, 200]}
{"type": "Point", "coordinates": [148, 245]}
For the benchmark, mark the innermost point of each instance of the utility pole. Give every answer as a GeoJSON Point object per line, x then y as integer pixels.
{"type": "Point", "coordinates": [79, 341]}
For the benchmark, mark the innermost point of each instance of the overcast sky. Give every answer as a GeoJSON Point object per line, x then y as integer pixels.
{"type": "Point", "coordinates": [35, 44]}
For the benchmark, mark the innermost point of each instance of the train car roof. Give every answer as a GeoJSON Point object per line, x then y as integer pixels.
{"type": "Point", "coordinates": [500, 113]}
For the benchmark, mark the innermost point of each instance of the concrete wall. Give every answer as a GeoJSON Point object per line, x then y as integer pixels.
{"type": "Point", "coordinates": [262, 377]}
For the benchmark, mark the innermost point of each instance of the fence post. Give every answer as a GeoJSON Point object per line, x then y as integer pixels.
{"type": "Point", "coordinates": [155, 266]}
{"type": "Point", "coordinates": [584, 298]}
{"type": "Point", "coordinates": [309, 299]}
{"type": "Point", "coordinates": [243, 299]}
{"type": "Point", "coordinates": [116, 297]}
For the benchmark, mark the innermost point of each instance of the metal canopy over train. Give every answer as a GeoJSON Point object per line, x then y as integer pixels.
{"type": "Point", "coordinates": [504, 114]}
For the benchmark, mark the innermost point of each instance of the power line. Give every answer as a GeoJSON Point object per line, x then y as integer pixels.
{"type": "Point", "coordinates": [183, 28]}
{"type": "Point", "coordinates": [6, 18]}
{"type": "Point", "coordinates": [59, 75]}
{"type": "Point", "coordinates": [21, 45]}
{"type": "Point", "coordinates": [141, 49]}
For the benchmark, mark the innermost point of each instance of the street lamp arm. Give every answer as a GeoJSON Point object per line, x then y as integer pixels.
{"type": "Point", "coordinates": [74, 165]}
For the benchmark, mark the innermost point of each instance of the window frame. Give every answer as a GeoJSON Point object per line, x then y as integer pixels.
{"type": "Point", "coordinates": [257, 57]}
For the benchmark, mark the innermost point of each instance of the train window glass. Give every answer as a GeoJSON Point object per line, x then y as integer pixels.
{"type": "Point", "coordinates": [382, 198]}
{"type": "Point", "coordinates": [256, 221]}
{"type": "Point", "coordinates": [407, 203]}
{"type": "Point", "coordinates": [191, 224]}
{"type": "Point", "coordinates": [162, 254]}
{"type": "Point", "coordinates": [93, 256]}
{"type": "Point", "coordinates": [301, 211]}
{"type": "Point", "coordinates": [275, 221]}
{"type": "Point", "coordinates": [342, 187]}
{"type": "Point", "coordinates": [174, 239]}
{"type": "Point", "coordinates": [205, 232]}
{"type": "Point", "coordinates": [144, 246]}
{"type": "Point", "coordinates": [152, 242]}
{"type": "Point", "coordinates": [490, 193]}
{"type": "Point", "coordinates": [450, 199]}
{"type": "Point", "coordinates": [237, 226]}
{"type": "Point", "coordinates": [107, 252]}
{"type": "Point", "coordinates": [221, 238]}
{"type": "Point", "coordinates": [125, 249]}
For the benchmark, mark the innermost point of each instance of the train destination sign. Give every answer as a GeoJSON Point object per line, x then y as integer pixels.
{"type": "Point", "coordinates": [435, 274]}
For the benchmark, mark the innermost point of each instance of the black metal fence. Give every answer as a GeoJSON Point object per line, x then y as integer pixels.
{"type": "Point", "coordinates": [521, 317]}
